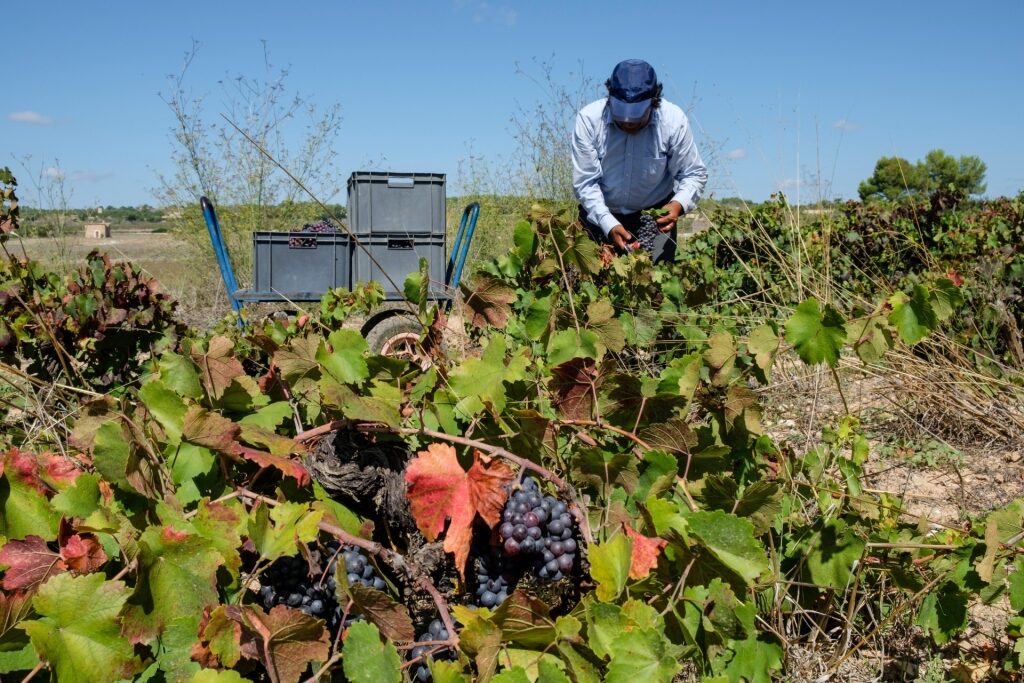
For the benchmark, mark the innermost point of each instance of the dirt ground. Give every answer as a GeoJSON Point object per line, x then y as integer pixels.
{"type": "Point", "coordinates": [942, 478]}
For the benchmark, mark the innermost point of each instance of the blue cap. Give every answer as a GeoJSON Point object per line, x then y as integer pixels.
{"type": "Point", "coordinates": [630, 89]}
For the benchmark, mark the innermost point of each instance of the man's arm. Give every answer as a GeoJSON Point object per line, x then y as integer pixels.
{"type": "Point", "coordinates": [686, 167]}
{"type": "Point", "coordinates": [586, 175]}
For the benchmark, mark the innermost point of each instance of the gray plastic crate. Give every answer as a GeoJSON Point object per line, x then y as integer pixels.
{"type": "Point", "coordinates": [397, 256]}
{"type": "Point", "coordinates": [301, 271]}
{"type": "Point", "coordinates": [396, 203]}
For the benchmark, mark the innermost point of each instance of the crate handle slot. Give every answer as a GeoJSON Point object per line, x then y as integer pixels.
{"type": "Point", "coordinates": [302, 240]}
{"type": "Point", "coordinates": [400, 182]}
{"type": "Point", "coordinates": [396, 243]}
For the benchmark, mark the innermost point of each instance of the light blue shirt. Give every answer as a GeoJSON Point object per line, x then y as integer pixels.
{"type": "Point", "coordinates": [615, 171]}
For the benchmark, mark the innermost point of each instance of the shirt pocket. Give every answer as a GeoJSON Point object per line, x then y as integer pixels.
{"type": "Point", "coordinates": [654, 167]}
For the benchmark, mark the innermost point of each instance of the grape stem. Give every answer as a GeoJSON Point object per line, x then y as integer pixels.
{"type": "Point", "coordinates": [394, 560]}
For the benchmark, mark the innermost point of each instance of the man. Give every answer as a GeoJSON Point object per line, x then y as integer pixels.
{"type": "Point", "coordinates": [630, 152]}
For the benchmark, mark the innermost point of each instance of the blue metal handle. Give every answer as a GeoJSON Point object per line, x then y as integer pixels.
{"type": "Point", "coordinates": [460, 250]}
{"type": "Point", "coordinates": [221, 251]}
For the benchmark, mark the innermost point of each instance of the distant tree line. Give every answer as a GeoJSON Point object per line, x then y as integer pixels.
{"type": "Point", "coordinates": [895, 176]}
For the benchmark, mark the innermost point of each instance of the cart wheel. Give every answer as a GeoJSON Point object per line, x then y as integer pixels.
{"type": "Point", "coordinates": [398, 336]}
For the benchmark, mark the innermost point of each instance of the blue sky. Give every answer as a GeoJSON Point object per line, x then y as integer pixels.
{"type": "Point", "coordinates": [800, 96]}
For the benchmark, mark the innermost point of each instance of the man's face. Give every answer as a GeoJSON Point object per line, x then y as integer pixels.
{"type": "Point", "coordinates": [636, 125]}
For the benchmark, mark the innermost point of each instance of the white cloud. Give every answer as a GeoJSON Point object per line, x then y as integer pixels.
{"type": "Point", "coordinates": [30, 117]}
{"type": "Point", "coordinates": [486, 13]}
{"type": "Point", "coordinates": [790, 184]}
{"type": "Point", "coordinates": [738, 153]}
{"type": "Point", "coordinates": [81, 176]}
{"type": "Point", "coordinates": [845, 125]}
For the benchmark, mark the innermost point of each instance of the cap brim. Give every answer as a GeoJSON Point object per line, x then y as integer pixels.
{"type": "Point", "coordinates": [628, 112]}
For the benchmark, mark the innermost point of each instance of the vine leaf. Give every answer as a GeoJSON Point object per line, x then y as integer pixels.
{"type": "Point", "coordinates": [912, 317]}
{"type": "Point", "coordinates": [29, 563]}
{"type": "Point", "coordinates": [79, 629]}
{"type": "Point", "coordinates": [82, 553]}
{"type": "Point", "coordinates": [285, 640]}
{"type": "Point", "coordinates": [366, 659]}
{"type": "Point", "coordinates": [377, 606]}
{"type": "Point", "coordinates": [645, 553]}
{"type": "Point", "coordinates": [177, 581]}
{"type": "Point", "coordinates": [610, 565]}
{"type": "Point", "coordinates": [203, 428]}
{"type": "Point", "coordinates": [817, 335]}
{"type": "Point", "coordinates": [439, 488]}
{"type": "Point", "coordinates": [573, 383]}
{"type": "Point", "coordinates": [487, 300]}
{"type": "Point", "coordinates": [287, 466]}
{"type": "Point", "coordinates": [218, 367]}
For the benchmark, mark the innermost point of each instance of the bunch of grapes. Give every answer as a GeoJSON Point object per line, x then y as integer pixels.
{"type": "Point", "coordinates": [647, 232]}
{"type": "Point", "coordinates": [310, 585]}
{"type": "Point", "coordinates": [322, 225]}
{"type": "Point", "coordinates": [494, 579]}
{"type": "Point", "coordinates": [436, 631]}
{"type": "Point", "coordinates": [539, 525]}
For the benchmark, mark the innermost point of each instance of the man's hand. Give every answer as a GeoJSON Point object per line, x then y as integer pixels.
{"type": "Point", "coordinates": [621, 237]}
{"type": "Point", "coordinates": [668, 221]}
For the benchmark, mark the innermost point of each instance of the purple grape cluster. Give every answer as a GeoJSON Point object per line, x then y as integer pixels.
{"type": "Point", "coordinates": [494, 579]}
{"type": "Point", "coordinates": [647, 232]}
{"type": "Point", "coordinates": [538, 525]}
{"type": "Point", "coordinates": [310, 585]}
{"type": "Point", "coordinates": [435, 631]}
{"type": "Point", "coordinates": [322, 225]}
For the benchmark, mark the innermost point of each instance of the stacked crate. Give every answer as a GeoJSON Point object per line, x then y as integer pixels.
{"type": "Point", "coordinates": [396, 218]}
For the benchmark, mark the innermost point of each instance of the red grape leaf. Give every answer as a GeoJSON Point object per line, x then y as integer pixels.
{"type": "Point", "coordinates": [439, 488]}
{"type": "Point", "coordinates": [488, 479]}
{"type": "Point", "coordinates": [645, 553]}
{"type": "Point", "coordinates": [83, 553]}
{"type": "Point", "coordinates": [30, 562]}
{"type": "Point", "coordinates": [289, 467]}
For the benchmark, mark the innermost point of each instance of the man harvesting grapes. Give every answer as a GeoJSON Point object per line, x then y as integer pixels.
{"type": "Point", "coordinates": [633, 152]}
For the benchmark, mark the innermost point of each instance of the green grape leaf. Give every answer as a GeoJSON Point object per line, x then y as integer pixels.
{"type": "Point", "coordinates": [514, 675]}
{"type": "Point", "coordinates": [179, 374]}
{"type": "Point", "coordinates": [79, 629]}
{"type": "Point", "coordinates": [753, 661]}
{"type": "Point", "coordinates": [943, 612]}
{"type": "Point", "coordinates": [275, 531]}
{"type": "Point", "coordinates": [731, 540]}
{"type": "Point", "coordinates": [912, 317]}
{"type": "Point", "coordinates": [177, 581]}
{"type": "Point", "coordinates": [817, 335]}
{"type": "Point", "coordinates": [832, 553]}
{"type": "Point", "coordinates": [609, 565]}
{"type": "Point", "coordinates": [166, 406]}
{"type": "Point", "coordinates": [344, 361]}
{"type": "Point", "coordinates": [642, 655]}
{"type": "Point", "coordinates": [568, 344]}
